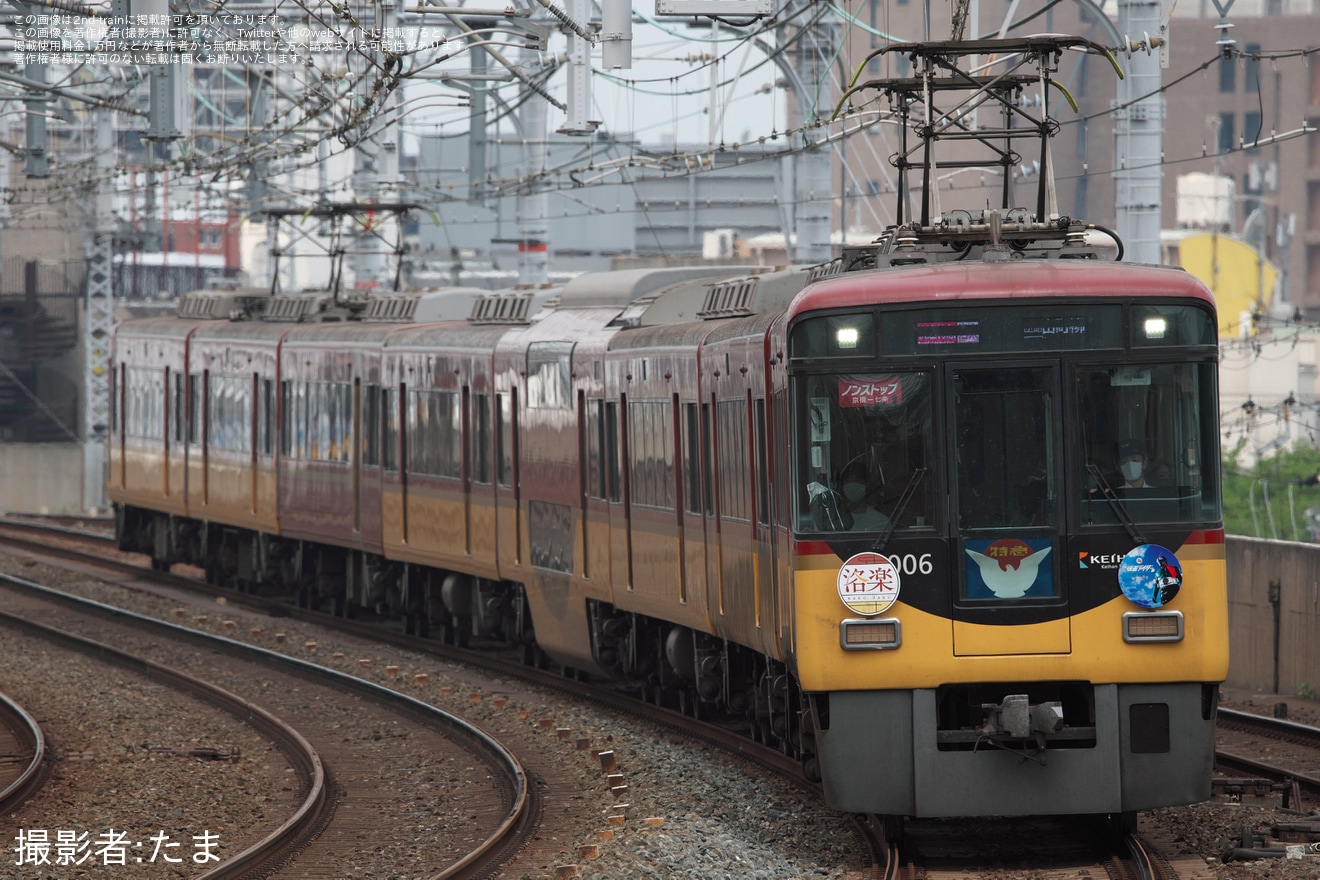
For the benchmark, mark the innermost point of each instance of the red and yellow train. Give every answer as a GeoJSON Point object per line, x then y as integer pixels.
{"type": "Point", "coordinates": [886, 518]}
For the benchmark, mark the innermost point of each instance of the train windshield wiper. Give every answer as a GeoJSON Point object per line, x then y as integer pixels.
{"type": "Point", "coordinates": [908, 491]}
{"type": "Point", "coordinates": [1120, 510]}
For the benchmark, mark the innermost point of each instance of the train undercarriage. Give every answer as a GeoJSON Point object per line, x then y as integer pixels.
{"type": "Point", "coordinates": [699, 675]}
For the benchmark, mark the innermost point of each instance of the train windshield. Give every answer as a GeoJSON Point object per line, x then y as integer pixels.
{"type": "Point", "coordinates": [1149, 434]}
{"type": "Point", "coordinates": [868, 450]}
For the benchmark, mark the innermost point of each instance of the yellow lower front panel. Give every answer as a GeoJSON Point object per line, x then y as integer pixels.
{"type": "Point", "coordinates": [934, 650]}
{"type": "Point", "coordinates": [1050, 637]}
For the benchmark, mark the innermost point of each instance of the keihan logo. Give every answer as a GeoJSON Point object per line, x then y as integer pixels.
{"type": "Point", "coordinates": [1086, 559]}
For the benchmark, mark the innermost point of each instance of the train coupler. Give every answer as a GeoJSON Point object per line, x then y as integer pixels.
{"type": "Point", "coordinates": [1015, 718]}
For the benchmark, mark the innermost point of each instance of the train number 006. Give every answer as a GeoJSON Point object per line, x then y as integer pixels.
{"type": "Point", "coordinates": [911, 563]}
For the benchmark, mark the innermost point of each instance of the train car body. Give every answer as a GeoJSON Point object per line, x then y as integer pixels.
{"type": "Point", "coordinates": [888, 520]}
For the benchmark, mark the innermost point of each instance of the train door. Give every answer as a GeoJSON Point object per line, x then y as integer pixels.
{"type": "Point", "coordinates": [737, 595]}
{"type": "Point", "coordinates": [196, 475]}
{"type": "Point", "coordinates": [1007, 462]}
{"type": "Point", "coordinates": [508, 525]}
{"type": "Point", "coordinates": [763, 534]}
{"type": "Point", "coordinates": [710, 528]}
{"type": "Point", "coordinates": [355, 453]}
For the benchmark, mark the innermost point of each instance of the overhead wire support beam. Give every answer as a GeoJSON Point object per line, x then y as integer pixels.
{"type": "Point", "coordinates": [469, 11]}
{"type": "Point", "coordinates": [71, 94]}
{"type": "Point", "coordinates": [499, 57]}
{"type": "Point", "coordinates": [579, 71]}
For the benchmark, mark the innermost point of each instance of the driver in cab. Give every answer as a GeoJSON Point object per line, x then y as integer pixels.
{"type": "Point", "coordinates": [1131, 461]}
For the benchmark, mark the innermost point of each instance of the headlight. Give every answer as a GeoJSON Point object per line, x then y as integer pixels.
{"type": "Point", "coordinates": [1153, 626]}
{"type": "Point", "coordinates": [870, 635]}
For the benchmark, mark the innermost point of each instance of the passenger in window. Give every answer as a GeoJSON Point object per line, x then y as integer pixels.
{"type": "Point", "coordinates": [1131, 459]}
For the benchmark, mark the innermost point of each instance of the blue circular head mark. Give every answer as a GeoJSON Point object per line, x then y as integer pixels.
{"type": "Point", "coordinates": [1150, 575]}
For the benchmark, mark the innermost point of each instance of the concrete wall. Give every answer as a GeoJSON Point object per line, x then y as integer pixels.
{"type": "Point", "coordinates": [1274, 615]}
{"type": "Point", "coordinates": [41, 478]}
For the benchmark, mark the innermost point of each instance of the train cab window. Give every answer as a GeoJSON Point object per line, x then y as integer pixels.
{"type": "Point", "coordinates": [1005, 451]}
{"type": "Point", "coordinates": [865, 452]}
{"type": "Point", "coordinates": [1007, 465]}
{"type": "Point", "coordinates": [1150, 439]}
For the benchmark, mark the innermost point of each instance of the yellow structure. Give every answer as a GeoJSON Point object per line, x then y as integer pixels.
{"type": "Point", "coordinates": [1239, 276]}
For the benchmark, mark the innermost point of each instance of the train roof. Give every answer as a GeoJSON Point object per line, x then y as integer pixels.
{"type": "Point", "coordinates": [1007, 280]}
{"type": "Point", "coordinates": [725, 296]}
{"type": "Point", "coordinates": [620, 288]}
{"type": "Point", "coordinates": [450, 335]}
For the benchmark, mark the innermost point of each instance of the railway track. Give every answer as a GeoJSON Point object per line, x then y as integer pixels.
{"type": "Point", "coordinates": [23, 758]}
{"type": "Point", "coordinates": [349, 790]}
{"type": "Point", "coordinates": [890, 854]}
{"type": "Point", "coordinates": [1047, 848]}
{"type": "Point", "coordinates": [32, 537]}
{"type": "Point", "coordinates": [1296, 745]}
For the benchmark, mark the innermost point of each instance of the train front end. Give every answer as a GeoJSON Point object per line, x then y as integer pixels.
{"type": "Point", "coordinates": [1008, 559]}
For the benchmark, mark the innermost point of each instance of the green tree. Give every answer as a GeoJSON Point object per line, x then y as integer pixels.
{"type": "Point", "coordinates": [1257, 502]}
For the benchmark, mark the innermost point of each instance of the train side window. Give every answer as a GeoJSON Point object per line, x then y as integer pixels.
{"type": "Point", "coordinates": [371, 425]}
{"type": "Point", "coordinates": [389, 429]}
{"type": "Point", "coordinates": [266, 422]}
{"type": "Point", "coordinates": [503, 446]}
{"type": "Point", "coordinates": [342, 419]}
{"type": "Point", "coordinates": [195, 408]}
{"type": "Point", "coordinates": [436, 433]}
{"type": "Point", "coordinates": [317, 419]}
{"type": "Point", "coordinates": [595, 449]}
{"type": "Point", "coordinates": [301, 449]}
{"type": "Point", "coordinates": [692, 458]}
{"type": "Point", "coordinates": [612, 450]}
{"type": "Point", "coordinates": [731, 419]}
{"type": "Point", "coordinates": [549, 375]}
{"type": "Point", "coordinates": [286, 419]}
{"type": "Point", "coordinates": [115, 384]}
{"type": "Point", "coordinates": [346, 415]}
{"type": "Point", "coordinates": [481, 438]}
{"type": "Point", "coordinates": [177, 407]}
{"type": "Point", "coordinates": [650, 436]}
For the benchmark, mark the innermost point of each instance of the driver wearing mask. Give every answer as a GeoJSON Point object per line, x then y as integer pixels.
{"type": "Point", "coordinates": [1131, 459]}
